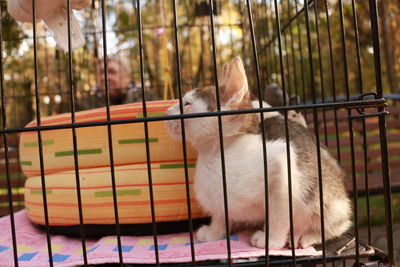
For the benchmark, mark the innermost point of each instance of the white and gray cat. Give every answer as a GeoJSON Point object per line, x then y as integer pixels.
{"type": "Point", "coordinates": [245, 169]}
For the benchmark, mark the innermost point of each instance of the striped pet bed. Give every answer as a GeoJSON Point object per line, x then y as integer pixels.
{"type": "Point", "coordinates": [131, 173]}
{"type": "Point", "coordinates": [132, 190]}
{"type": "Point", "coordinates": [93, 148]}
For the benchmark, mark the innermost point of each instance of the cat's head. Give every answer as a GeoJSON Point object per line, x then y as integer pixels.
{"type": "Point", "coordinates": [234, 95]}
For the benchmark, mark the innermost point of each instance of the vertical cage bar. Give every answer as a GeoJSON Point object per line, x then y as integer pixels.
{"type": "Point", "coordinates": [289, 169]}
{"type": "Point", "coordinates": [355, 195]}
{"type": "Point", "coordinates": [109, 133]}
{"type": "Point", "coordinates": [303, 84]}
{"type": "Point", "coordinates": [344, 51]}
{"type": "Point", "coordinates": [364, 134]}
{"type": "Point", "coordinates": [178, 66]}
{"type": "Point", "coordinates": [38, 123]}
{"type": "Point", "coordinates": [265, 37]}
{"type": "Point", "coordinates": [274, 67]}
{"type": "Point", "coordinates": [357, 40]}
{"type": "Point", "coordinates": [333, 79]}
{"type": "Point", "coordinates": [386, 188]}
{"type": "Point", "coordinates": [316, 132]}
{"type": "Point", "coordinates": [373, 9]}
{"type": "Point", "coordinates": [146, 133]}
{"type": "Point", "coordinates": [5, 142]}
{"type": "Point", "coordinates": [221, 136]}
{"type": "Point", "coordinates": [19, 180]}
{"type": "Point", "coordinates": [366, 181]}
{"type": "Point", "coordinates": [296, 91]}
{"type": "Point", "coordinates": [270, 43]}
{"type": "Point", "coordinates": [74, 139]}
{"type": "Point", "coordinates": [58, 69]}
{"type": "Point", "coordinates": [288, 80]}
{"type": "Point", "coordinates": [264, 145]}
{"type": "Point", "coordinates": [350, 124]}
{"type": "Point", "coordinates": [321, 69]}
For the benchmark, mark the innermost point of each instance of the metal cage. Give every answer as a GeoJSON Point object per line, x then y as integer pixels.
{"type": "Point", "coordinates": [288, 42]}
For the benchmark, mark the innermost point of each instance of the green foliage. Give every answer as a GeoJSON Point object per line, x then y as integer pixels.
{"type": "Point", "coordinates": [377, 210]}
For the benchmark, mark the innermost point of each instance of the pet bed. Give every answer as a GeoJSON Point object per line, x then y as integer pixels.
{"type": "Point", "coordinates": [131, 174]}
{"type": "Point", "coordinates": [132, 189]}
{"type": "Point", "coordinates": [93, 148]}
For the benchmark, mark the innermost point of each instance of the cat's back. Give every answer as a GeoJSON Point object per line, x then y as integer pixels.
{"type": "Point", "coordinates": [305, 147]}
{"type": "Point", "coordinates": [299, 135]}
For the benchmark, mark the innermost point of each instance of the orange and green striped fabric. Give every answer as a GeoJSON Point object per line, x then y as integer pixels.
{"type": "Point", "coordinates": [92, 142]}
{"type": "Point", "coordinates": [132, 190]}
{"type": "Point", "coordinates": [126, 111]}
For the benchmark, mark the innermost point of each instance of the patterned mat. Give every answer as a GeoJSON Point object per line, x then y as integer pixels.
{"type": "Point", "coordinates": [174, 248]}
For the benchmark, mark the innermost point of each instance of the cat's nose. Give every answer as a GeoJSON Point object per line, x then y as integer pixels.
{"type": "Point", "coordinates": [171, 110]}
{"type": "Point", "coordinates": [168, 111]}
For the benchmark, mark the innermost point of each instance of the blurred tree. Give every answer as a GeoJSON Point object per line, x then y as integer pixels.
{"type": "Point", "coordinates": [232, 38]}
{"type": "Point", "coordinates": [389, 15]}
{"type": "Point", "coordinates": [12, 31]}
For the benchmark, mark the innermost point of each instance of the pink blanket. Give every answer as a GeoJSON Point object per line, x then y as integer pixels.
{"type": "Point", "coordinates": [174, 248]}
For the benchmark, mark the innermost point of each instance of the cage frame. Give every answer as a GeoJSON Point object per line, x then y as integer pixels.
{"type": "Point", "coordinates": [377, 101]}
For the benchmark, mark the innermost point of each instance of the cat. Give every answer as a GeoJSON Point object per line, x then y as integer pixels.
{"type": "Point", "coordinates": [245, 170]}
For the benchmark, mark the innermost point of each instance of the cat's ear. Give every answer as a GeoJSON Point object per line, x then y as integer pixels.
{"type": "Point", "coordinates": [233, 82]}
{"type": "Point", "coordinates": [273, 95]}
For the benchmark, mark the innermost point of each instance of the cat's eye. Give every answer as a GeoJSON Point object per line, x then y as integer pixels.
{"type": "Point", "coordinates": [187, 103]}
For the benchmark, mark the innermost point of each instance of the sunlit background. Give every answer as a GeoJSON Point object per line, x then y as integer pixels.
{"type": "Point", "coordinates": [233, 37]}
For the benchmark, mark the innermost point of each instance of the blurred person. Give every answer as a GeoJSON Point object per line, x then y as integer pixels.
{"type": "Point", "coordinates": [122, 89]}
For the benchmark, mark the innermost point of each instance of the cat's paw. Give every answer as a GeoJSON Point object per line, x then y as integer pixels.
{"type": "Point", "coordinates": [258, 239]}
{"type": "Point", "coordinates": [207, 233]}
{"type": "Point", "coordinates": [309, 240]}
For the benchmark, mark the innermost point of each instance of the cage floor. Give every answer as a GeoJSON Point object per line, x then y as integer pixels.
{"type": "Point", "coordinates": [173, 248]}
{"type": "Point", "coordinates": [338, 249]}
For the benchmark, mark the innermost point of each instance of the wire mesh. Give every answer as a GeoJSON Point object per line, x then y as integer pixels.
{"type": "Point", "coordinates": [292, 43]}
